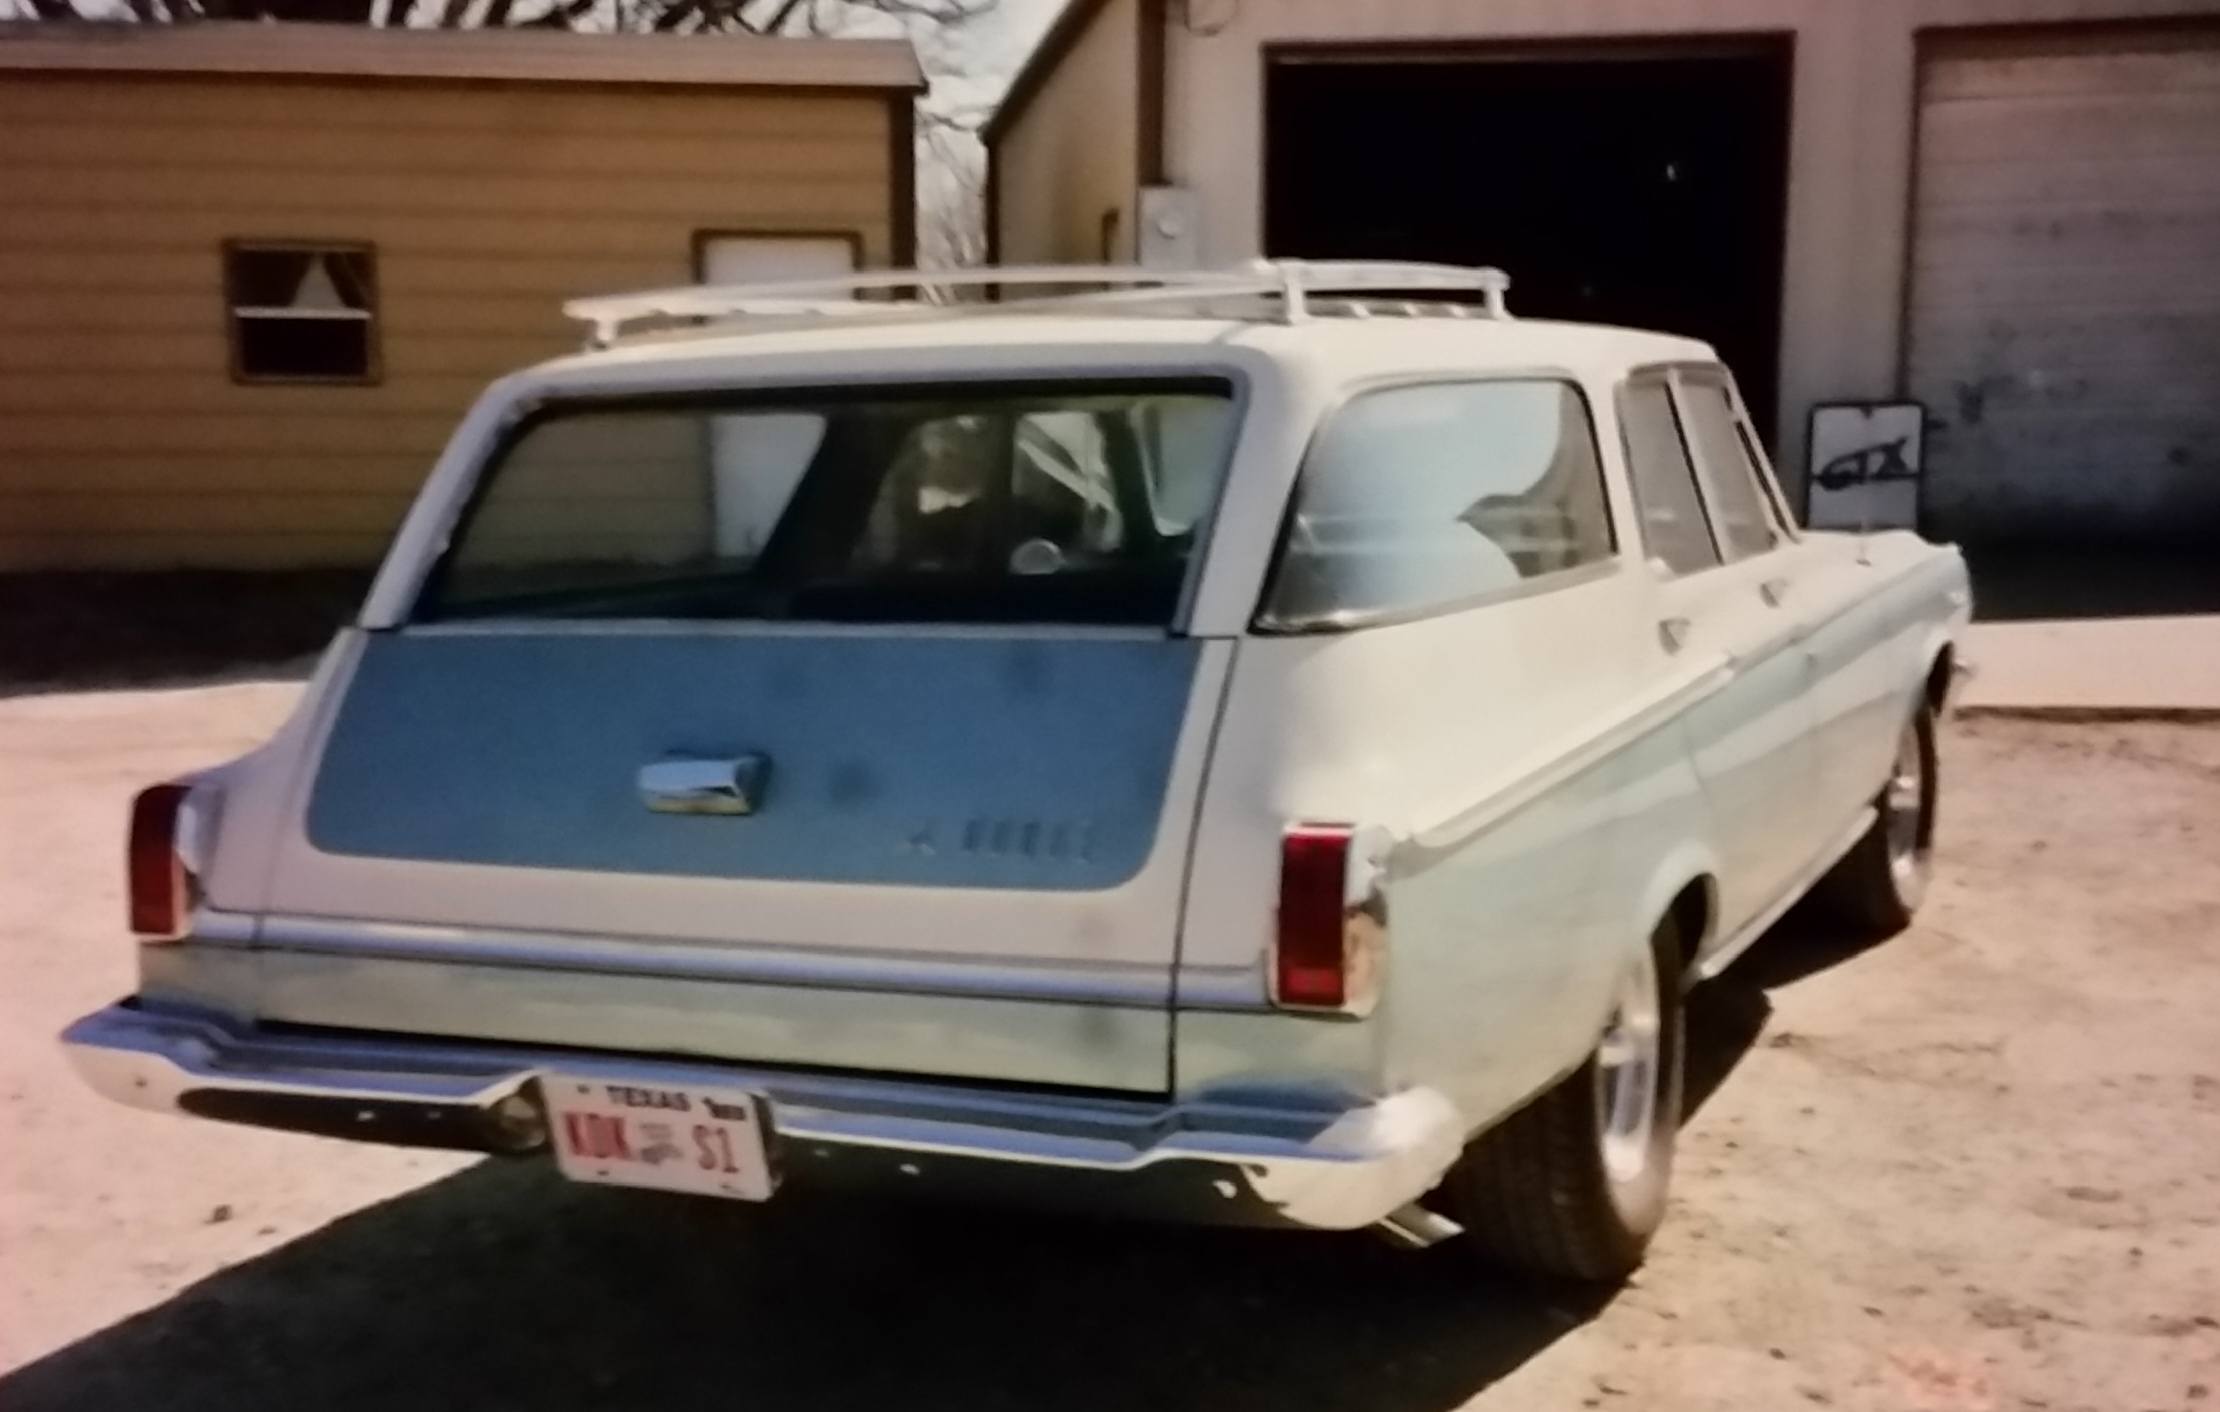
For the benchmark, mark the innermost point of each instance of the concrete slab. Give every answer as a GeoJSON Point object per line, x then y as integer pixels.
{"type": "Point", "coordinates": [2095, 667]}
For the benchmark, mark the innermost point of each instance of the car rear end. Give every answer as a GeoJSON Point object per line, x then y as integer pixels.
{"type": "Point", "coordinates": [764, 761]}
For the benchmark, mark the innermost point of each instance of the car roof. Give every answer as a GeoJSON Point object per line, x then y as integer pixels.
{"type": "Point", "coordinates": [1335, 346]}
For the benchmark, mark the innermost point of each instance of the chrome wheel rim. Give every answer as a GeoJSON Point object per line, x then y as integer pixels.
{"type": "Point", "coordinates": [1905, 803]}
{"type": "Point", "coordinates": [1627, 1065]}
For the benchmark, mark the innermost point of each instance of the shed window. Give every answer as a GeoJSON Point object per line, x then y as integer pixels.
{"type": "Point", "coordinates": [302, 313]}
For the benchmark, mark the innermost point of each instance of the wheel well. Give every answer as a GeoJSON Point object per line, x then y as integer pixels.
{"type": "Point", "coordinates": [1691, 912]}
{"type": "Point", "coordinates": [1938, 677]}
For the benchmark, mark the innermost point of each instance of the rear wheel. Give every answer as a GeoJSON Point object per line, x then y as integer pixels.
{"type": "Point", "coordinates": [1881, 881]}
{"type": "Point", "coordinates": [1574, 1183]}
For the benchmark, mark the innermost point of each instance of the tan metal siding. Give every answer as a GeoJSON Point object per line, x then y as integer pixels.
{"type": "Point", "coordinates": [2065, 322]}
{"type": "Point", "coordinates": [123, 441]}
{"type": "Point", "coordinates": [1068, 159]}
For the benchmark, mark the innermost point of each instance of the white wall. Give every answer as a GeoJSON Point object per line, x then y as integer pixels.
{"type": "Point", "coordinates": [1851, 151]}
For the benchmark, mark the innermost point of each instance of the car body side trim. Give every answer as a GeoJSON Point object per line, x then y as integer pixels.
{"type": "Point", "coordinates": [1582, 750]}
{"type": "Point", "coordinates": [817, 968]}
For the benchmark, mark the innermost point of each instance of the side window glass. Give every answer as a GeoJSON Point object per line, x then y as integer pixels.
{"type": "Point", "coordinates": [1420, 497]}
{"type": "Point", "coordinates": [756, 459]}
{"type": "Point", "coordinates": [1064, 493]}
{"type": "Point", "coordinates": [1737, 495]}
{"type": "Point", "coordinates": [621, 493]}
{"type": "Point", "coordinates": [1049, 491]}
{"type": "Point", "coordinates": [1674, 529]}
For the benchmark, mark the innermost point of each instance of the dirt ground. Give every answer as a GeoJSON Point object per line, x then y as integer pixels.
{"type": "Point", "coordinates": [1976, 1168]}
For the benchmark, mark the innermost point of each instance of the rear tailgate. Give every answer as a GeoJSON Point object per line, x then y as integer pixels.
{"type": "Point", "coordinates": [849, 724]}
{"type": "Point", "coordinates": [964, 853]}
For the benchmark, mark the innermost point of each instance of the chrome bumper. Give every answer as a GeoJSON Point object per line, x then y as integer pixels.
{"type": "Point", "coordinates": [1260, 1161]}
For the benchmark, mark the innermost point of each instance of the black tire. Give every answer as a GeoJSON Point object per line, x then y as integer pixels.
{"type": "Point", "coordinates": [1537, 1191]}
{"type": "Point", "coordinates": [1878, 885]}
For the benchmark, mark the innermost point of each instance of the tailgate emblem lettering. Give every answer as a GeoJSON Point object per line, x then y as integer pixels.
{"type": "Point", "coordinates": [689, 785]}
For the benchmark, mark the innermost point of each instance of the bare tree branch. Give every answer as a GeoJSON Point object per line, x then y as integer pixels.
{"type": "Point", "coordinates": [951, 166]}
{"type": "Point", "coordinates": [781, 15]}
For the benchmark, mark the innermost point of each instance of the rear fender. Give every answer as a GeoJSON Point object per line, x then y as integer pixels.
{"type": "Point", "coordinates": [261, 788]}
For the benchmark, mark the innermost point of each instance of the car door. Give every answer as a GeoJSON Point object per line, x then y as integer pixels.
{"type": "Point", "coordinates": [1718, 559]}
{"type": "Point", "coordinates": [1856, 688]}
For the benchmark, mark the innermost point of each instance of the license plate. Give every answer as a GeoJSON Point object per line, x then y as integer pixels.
{"type": "Point", "coordinates": [709, 1141]}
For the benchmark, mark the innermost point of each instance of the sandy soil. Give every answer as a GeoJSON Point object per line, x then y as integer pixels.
{"type": "Point", "coordinates": [1976, 1168]}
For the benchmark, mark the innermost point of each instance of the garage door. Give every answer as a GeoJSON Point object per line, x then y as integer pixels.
{"type": "Point", "coordinates": [2065, 319]}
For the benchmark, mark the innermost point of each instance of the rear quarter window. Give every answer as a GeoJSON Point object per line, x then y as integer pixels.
{"type": "Point", "coordinates": [1423, 498]}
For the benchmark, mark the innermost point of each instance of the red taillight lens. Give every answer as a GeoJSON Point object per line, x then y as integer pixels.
{"type": "Point", "coordinates": [1311, 963]}
{"type": "Point", "coordinates": [161, 890]}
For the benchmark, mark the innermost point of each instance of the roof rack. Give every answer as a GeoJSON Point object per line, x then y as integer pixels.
{"type": "Point", "coordinates": [1293, 284]}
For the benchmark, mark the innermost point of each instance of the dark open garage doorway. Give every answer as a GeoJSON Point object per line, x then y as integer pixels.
{"type": "Point", "coordinates": [1643, 185]}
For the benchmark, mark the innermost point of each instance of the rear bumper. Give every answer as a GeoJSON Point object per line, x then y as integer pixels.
{"type": "Point", "coordinates": [1278, 1160]}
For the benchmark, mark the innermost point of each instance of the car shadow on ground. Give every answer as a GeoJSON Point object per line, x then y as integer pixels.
{"type": "Point", "coordinates": [503, 1286]}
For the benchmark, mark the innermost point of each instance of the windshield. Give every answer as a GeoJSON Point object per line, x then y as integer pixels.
{"type": "Point", "coordinates": [1074, 503]}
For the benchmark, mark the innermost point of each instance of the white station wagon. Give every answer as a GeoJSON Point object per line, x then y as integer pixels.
{"type": "Point", "coordinates": [1267, 747]}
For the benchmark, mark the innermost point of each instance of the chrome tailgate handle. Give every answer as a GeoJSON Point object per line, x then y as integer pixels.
{"type": "Point", "coordinates": [684, 785]}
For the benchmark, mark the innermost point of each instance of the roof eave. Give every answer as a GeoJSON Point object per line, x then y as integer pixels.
{"type": "Point", "coordinates": [1064, 33]}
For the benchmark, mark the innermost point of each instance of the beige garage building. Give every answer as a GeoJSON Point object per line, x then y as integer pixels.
{"type": "Point", "coordinates": [251, 274]}
{"type": "Point", "coordinates": [2005, 210]}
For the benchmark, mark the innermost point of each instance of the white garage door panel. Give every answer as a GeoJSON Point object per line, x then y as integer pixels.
{"type": "Point", "coordinates": [2065, 320]}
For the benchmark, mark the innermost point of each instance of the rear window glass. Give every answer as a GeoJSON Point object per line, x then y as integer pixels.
{"type": "Point", "coordinates": [976, 504]}
{"type": "Point", "coordinates": [1417, 498]}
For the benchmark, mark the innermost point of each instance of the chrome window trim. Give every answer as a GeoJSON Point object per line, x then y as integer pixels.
{"type": "Point", "coordinates": [1554, 582]}
{"type": "Point", "coordinates": [534, 402]}
{"type": "Point", "coordinates": [1662, 374]}
{"type": "Point", "coordinates": [1681, 376]}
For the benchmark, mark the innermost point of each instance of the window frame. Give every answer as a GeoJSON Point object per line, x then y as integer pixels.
{"type": "Point", "coordinates": [1675, 378]}
{"type": "Point", "coordinates": [1261, 620]}
{"type": "Point", "coordinates": [1682, 377]}
{"type": "Point", "coordinates": [704, 237]}
{"type": "Point", "coordinates": [373, 321]}
{"type": "Point", "coordinates": [542, 404]}
{"type": "Point", "coordinates": [1661, 375]}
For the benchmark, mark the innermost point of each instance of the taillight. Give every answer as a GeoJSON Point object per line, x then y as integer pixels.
{"type": "Point", "coordinates": [1332, 929]}
{"type": "Point", "coordinates": [161, 888]}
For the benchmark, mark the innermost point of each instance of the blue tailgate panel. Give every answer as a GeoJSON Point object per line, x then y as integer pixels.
{"type": "Point", "coordinates": [920, 760]}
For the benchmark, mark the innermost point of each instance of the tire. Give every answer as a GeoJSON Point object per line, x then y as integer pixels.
{"type": "Point", "coordinates": [1571, 1185]}
{"type": "Point", "coordinates": [1880, 882]}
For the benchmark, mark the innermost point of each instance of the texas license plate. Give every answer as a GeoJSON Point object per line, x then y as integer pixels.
{"type": "Point", "coordinates": [710, 1141]}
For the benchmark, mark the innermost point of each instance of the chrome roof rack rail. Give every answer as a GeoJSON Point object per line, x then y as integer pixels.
{"type": "Point", "coordinates": [1293, 284]}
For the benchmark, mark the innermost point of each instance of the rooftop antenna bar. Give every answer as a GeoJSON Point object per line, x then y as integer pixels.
{"type": "Point", "coordinates": [1294, 283]}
